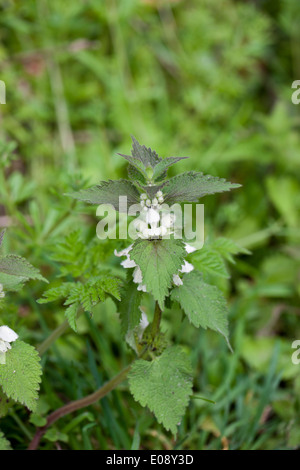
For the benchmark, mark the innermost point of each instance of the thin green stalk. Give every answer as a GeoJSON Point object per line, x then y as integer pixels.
{"type": "Point", "coordinates": [78, 405]}
{"type": "Point", "coordinates": [53, 337]}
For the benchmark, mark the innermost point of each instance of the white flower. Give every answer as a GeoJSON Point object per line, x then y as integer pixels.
{"type": "Point", "coordinates": [152, 217]}
{"type": "Point", "coordinates": [159, 194]}
{"type": "Point", "coordinates": [186, 267]}
{"type": "Point", "coordinates": [177, 280]}
{"type": "Point", "coordinates": [130, 263]}
{"type": "Point", "coordinates": [124, 252]}
{"type": "Point", "coordinates": [148, 203]}
{"type": "Point", "coordinates": [7, 336]}
{"type": "Point", "coordinates": [143, 196]}
{"type": "Point", "coordinates": [168, 220]}
{"type": "Point", "coordinates": [154, 202]}
{"type": "Point", "coordinates": [189, 248]}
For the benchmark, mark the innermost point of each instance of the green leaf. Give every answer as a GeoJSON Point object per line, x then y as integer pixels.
{"type": "Point", "coordinates": [21, 375]}
{"type": "Point", "coordinates": [129, 308]}
{"type": "Point", "coordinates": [160, 170]}
{"type": "Point", "coordinates": [71, 315]}
{"type": "Point", "coordinates": [227, 248]}
{"type": "Point", "coordinates": [164, 385]}
{"type": "Point", "coordinates": [56, 293]}
{"type": "Point", "coordinates": [20, 267]}
{"type": "Point", "coordinates": [204, 304]}
{"type": "Point", "coordinates": [210, 261]}
{"type": "Point", "coordinates": [12, 283]}
{"type": "Point", "coordinates": [4, 443]}
{"type": "Point", "coordinates": [88, 295]}
{"type": "Point", "coordinates": [148, 157]}
{"type": "Point", "coordinates": [108, 192]}
{"type": "Point", "coordinates": [136, 176]}
{"type": "Point", "coordinates": [158, 261]}
{"type": "Point", "coordinates": [191, 186]}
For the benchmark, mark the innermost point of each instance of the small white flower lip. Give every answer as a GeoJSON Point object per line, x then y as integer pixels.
{"type": "Point", "coordinates": [177, 280]}
{"type": "Point", "coordinates": [152, 216]}
{"type": "Point", "coordinates": [186, 267]}
{"type": "Point", "coordinates": [4, 346]}
{"type": "Point", "coordinates": [124, 252]}
{"type": "Point", "coordinates": [7, 334]}
{"type": "Point", "coordinates": [189, 248]}
{"type": "Point", "coordinates": [137, 275]}
{"type": "Point", "coordinates": [128, 263]}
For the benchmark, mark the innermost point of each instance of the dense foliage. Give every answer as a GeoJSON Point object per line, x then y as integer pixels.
{"type": "Point", "coordinates": [206, 79]}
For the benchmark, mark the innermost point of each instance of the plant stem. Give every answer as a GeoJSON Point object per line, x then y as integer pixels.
{"type": "Point", "coordinates": [78, 404]}
{"type": "Point", "coordinates": [45, 345]}
{"type": "Point", "coordinates": [156, 321]}
{"type": "Point", "coordinates": [53, 337]}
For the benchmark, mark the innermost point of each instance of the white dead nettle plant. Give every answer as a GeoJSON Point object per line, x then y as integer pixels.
{"type": "Point", "coordinates": [161, 224]}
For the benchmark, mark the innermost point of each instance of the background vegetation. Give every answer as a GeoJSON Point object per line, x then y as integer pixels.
{"type": "Point", "coordinates": [210, 79]}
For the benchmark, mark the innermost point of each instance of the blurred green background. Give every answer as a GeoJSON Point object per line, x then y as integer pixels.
{"type": "Point", "coordinates": [206, 79]}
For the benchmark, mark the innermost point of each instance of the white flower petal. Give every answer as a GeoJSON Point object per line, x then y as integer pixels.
{"type": "Point", "coordinates": [4, 346]}
{"type": "Point", "coordinates": [123, 252]}
{"type": "Point", "coordinates": [128, 263]}
{"type": "Point", "coordinates": [6, 334]}
{"type": "Point", "coordinates": [137, 275]}
{"type": "Point", "coordinates": [143, 323]}
{"type": "Point", "coordinates": [177, 280]}
{"type": "Point", "coordinates": [167, 220]}
{"type": "Point", "coordinates": [186, 267]}
{"type": "Point", "coordinates": [189, 248]}
{"type": "Point", "coordinates": [142, 287]}
{"type": "Point", "coordinates": [152, 216]}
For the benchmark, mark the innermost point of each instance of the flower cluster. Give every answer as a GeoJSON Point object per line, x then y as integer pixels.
{"type": "Point", "coordinates": [154, 221]}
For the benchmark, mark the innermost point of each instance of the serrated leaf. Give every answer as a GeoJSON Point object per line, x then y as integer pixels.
{"type": "Point", "coordinates": [4, 443]}
{"type": "Point", "coordinates": [129, 308]}
{"type": "Point", "coordinates": [21, 375]}
{"type": "Point", "coordinates": [210, 261]}
{"type": "Point", "coordinates": [56, 293]}
{"type": "Point", "coordinates": [158, 261]}
{"type": "Point", "coordinates": [204, 304]}
{"type": "Point", "coordinates": [164, 385]}
{"type": "Point", "coordinates": [20, 267]}
{"type": "Point", "coordinates": [160, 170]}
{"type": "Point", "coordinates": [71, 315]}
{"type": "Point", "coordinates": [148, 157]}
{"type": "Point", "coordinates": [227, 248]}
{"type": "Point", "coordinates": [12, 283]}
{"type": "Point", "coordinates": [191, 186]}
{"type": "Point", "coordinates": [136, 176]}
{"type": "Point", "coordinates": [136, 164]}
{"type": "Point", "coordinates": [108, 192]}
